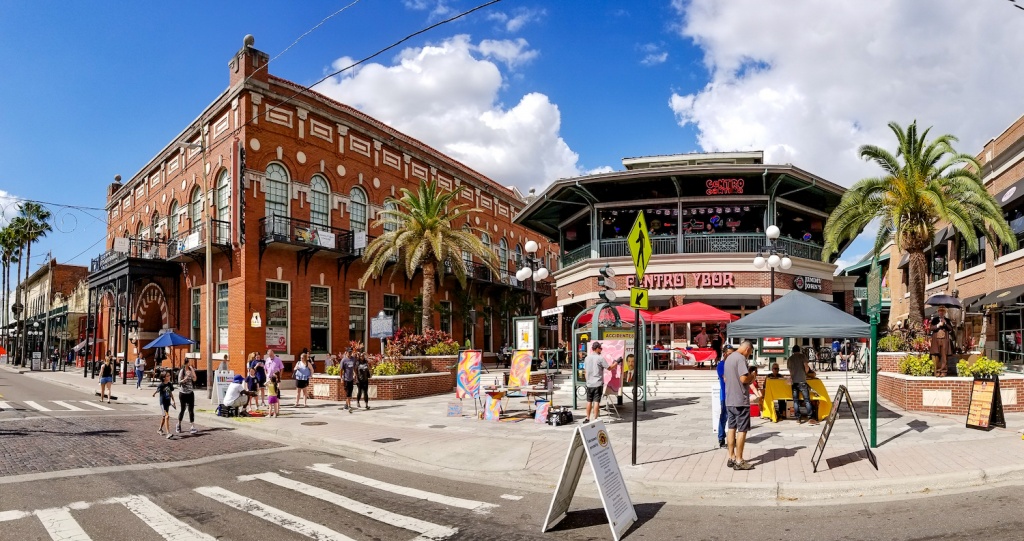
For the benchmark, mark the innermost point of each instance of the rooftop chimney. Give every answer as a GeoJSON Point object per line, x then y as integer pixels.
{"type": "Point", "coordinates": [248, 63]}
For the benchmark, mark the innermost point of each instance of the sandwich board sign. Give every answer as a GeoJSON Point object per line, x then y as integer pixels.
{"type": "Point", "coordinates": [591, 442]}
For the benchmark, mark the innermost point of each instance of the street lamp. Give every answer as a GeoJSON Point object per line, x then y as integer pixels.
{"type": "Point", "coordinates": [207, 202]}
{"type": "Point", "coordinates": [533, 268]}
{"type": "Point", "coordinates": [472, 325]}
{"type": "Point", "coordinates": [777, 256]}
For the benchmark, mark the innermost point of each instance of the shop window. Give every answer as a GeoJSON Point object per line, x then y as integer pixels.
{"type": "Point", "coordinates": [222, 317]}
{"type": "Point", "coordinates": [391, 304]}
{"type": "Point", "coordinates": [446, 316]}
{"type": "Point", "coordinates": [319, 208]}
{"type": "Point", "coordinates": [197, 304]}
{"type": "Point", "coordinates": [278, 313]}
{"type": "Point", "coordinates": [1011, 327]}
{"type": "Point", "coordinates": [319, 319]}
{"type": "Point", "coordinates": [357, 316]}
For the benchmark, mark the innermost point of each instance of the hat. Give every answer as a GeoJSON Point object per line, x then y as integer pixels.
{"type": "Point", "coordinates": [238, 379]}
{"type": "Point", "coordinates": [597, 345]}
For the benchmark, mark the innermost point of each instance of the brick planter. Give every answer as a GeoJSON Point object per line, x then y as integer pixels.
{"type": "Point", "coordinates": [439, 363]}
{"type": "Point", "coordinates": [890, 361]}
{"type": "Point", "coordinates": [411, 385]}
{"type": "Point", "coordinates": [327, 387]}
{"type": "Point", "coordinates": [943, 395]}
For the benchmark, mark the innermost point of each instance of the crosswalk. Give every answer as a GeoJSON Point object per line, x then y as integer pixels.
{"type": "Point", "coordinates": [53, 406]}
{"type": "Point", "coordinates": [275, 506]}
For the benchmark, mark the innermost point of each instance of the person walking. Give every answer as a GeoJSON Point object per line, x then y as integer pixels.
{"type": "Point", "coordinates": [166, 392]}
{"type": "Point", "coordinates": [348, 377]}
{"type": "Point", "coordinates": [140, 370]}
{"type": "Point", "coordinates": [186, 379]}
{"type": "Point", "coordinates": [738, 376]}
{"type": "Point", "coordinates": [594, 366]}
{"type": "Point", "coordinates": [302, 373]}
{"type": "Point", "coordinates": [799, 365]}
{"type": "Point", "coordinates": [106, 378]}
{"type": "Point", "coordinates": [363, 380]}
{"type": "Point", "coordinates": [723, 413]}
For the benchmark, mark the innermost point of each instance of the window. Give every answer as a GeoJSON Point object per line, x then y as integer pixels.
{"type": "Point", "coordinates": [222, 317]}
{"type": "Point", "coordinates": [357, 210]}
{"type": "Point", "coordinates": [357, 316]}
{"type": "Point", "coordinates": [197, 304]}
{"type": "Point", "coordinates": [486, 346]}
{"type": "Point", "coordinates": [277, 199]}
{"type": "Point", "coordinates": [319, 208]}
{"type": "Point", "coordinates": [197, 207]}
{"type": "Point", "coordinates": [486, 239]}
{"type": "Point", "coordinates": [154, 224]}
{"type": "Point", "coordinates": [172, 221]}
{"type": "Point", "coordinates": [1011, 325]}
{"type": "Point", "coordinates": [965, 259]}
{"type": "Point", "coordinates": [223, 197]}
{"type": "Point", "coordinates": [390, 206]}
{"type": "Point", "coordinates": [278, 300]}
{"type": "Point", "coordinates": [319, 319]}
{"type": "Point", "coordinates": [446, 316]}
{"type": "Point", "coordinates": [391, 303]}
{"type": "Point", "coordinates": [519, 256]}
{"type": "Point", "coordinates": [503, 257]}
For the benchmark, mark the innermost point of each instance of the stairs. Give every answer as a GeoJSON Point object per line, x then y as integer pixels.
{"type": "Point", "coordinates": [698, 383]}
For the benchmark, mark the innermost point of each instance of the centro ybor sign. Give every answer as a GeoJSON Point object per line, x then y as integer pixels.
{"type": "Point", "coordinates": [677, 280]}
{"type": "Point", "coordinates": [807, 283]}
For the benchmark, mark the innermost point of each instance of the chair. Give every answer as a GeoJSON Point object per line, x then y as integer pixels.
{"type": "Point", "coordinates": [827, 357]}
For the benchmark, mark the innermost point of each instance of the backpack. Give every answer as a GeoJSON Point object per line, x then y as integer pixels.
{"type": "Point", "coordinates": [560, 416]}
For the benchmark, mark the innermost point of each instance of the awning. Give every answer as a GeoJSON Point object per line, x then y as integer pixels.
{"type": "Point", "coordinates": [967, 302]}
{"type": "Point", "coordinates": [904, 261]}
{"type": "Point", "coordinates": [865, 262]}
{"type": "Point", "coordinates": [1002, 297]}
{"type": "Point", "coordinates": [799, 315]}
{"type": "Point", "coordinates": [1011, 194]}
{"type": "Point", "coordinates": [942, 235]}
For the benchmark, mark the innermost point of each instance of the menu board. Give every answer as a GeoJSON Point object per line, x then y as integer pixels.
{"type": "Point", "coordinates": [986, 407]}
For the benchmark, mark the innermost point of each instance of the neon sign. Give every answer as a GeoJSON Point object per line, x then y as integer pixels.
{"type": "Point", "coordinates": [724, 186]}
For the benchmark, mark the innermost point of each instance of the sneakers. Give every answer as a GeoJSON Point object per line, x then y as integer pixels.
{"type": "Point", "coordinates": [177, 428]}
{"type": "Point", "coordinates": [161, 432]}
{"type": "Point", "coordinates": [742, 465]}
{"type": "Point", "coordinates": [170, 436]}
{"type": "Point", "coordinates": [367, 406]}
{"type": "Point", "coordinates": [350, 410]}
{"type": "Point", "coordinates": [721, 444]}
{"type": "Point", "coordinates": [813, 422]}
{"type": "Point", "coordinates": [192, 430]}
{"type": "Point", "coordinates": [731, 464]}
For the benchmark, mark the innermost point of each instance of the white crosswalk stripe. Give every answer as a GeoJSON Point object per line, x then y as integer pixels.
{"type": "Point", "coordinates": [427, 530]}
{"type": "Point", "coordinates": [67, 406]}
{"type": "Point", "coordinates": [6, 406]}
{"type": "Point", "coordinates": [272, 514]}
{"type": "Point", "coordinates": [480, 507]}
{"type": "Point", "coordinates": [36, 406]}
{"type": "Point", "coordinates": [161, 521]}
{"type": "Point", "coordinates": [61, 525]}
{"type": "Point", "coordinates": [97, 406]}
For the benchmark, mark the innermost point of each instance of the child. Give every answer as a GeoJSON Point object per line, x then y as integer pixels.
{"type": "Point", "coordinates": [252, 384]}
{"type": "Point", "coordinates": [274, 396]}
{"type": "Point", "coordinates": [166, 392]}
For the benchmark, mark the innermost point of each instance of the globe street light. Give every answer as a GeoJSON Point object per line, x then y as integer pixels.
{"type": "Point", "coordinates": [533, 268]}
{"type": "Point", "coordinates": [777, 258]}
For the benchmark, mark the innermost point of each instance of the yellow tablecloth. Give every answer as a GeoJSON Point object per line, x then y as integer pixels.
{"type": "Point", "coordinates": [780, 389]}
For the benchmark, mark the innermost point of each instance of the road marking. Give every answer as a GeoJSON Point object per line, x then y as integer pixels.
{"type": "Point", "coordinates": [97, 406]}
{"type": "Point", "coordinates": [6, 406]}
{"type": "Point", "coordinates": [512, 497]}
{"type": "Point", "coordinates": [479, 507]}
{"type": "Point", "coordinates": [427, 530]}
{"type": "Point", "coordinates": [272, 514]}
{"type": "Point", "coordinates": [13, 515]}
{"type": "Point", "coordinates": [61, 525]}
{"type": "Point", "coordinates": [35, 406]}
{"type": "Point", "coordinates": [66, 405]}
{"type": "Point", "coordinates": [161, 521]}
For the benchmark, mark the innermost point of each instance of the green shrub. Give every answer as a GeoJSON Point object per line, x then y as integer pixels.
{"type": "Point", "coordinates": [333, 370]}
{"type": "Point", "coordinates": [444, 348]}
{"type": "Point", "coordinates": [917, 365]}
{"type": "Point", "coordinates": [981, 368]}
{"type": "Point", "coordinates": [891, 343]}
{"type": "Point", "coordinates": [385, 368]}
{"type": "Point", "coordinates": [409, 368]}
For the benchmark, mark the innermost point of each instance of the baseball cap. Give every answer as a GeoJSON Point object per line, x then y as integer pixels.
{"type": "Point", "coordinates": [238, 379]}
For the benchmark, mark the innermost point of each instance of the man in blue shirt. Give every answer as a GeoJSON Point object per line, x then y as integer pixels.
{"type": "Point", "coordinates": [722, 414]}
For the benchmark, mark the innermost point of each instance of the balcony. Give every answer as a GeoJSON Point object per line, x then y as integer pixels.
{"type": "Point", "coordinates": [138, 248]}
{"type": "Point", "coordinates": [301, 235]}
{"type": "Point", "coordinates": [698, 244]}
{"type": "Point", "coordinates": [192, 242]}
{"type": "Point", "coordinates": [482, 273]}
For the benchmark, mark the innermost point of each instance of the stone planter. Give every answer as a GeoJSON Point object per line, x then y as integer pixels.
{"type": "Point", "coordinates": [411, 385]}
{"type": "Point", "coordinates": [438, 363]}
{"type": "Point", "coordinates": [949, 395]}
{"type": "Point", "coordinates": [326, 387]}
{"type": "Point", "coordinates": [889, 361]}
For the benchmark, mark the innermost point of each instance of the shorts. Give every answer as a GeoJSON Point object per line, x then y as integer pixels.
{"type": "Point", "coordinates": [348, 388]}
{"type": "Point", "coordinates": [104, 381]}
{"type": "Point", "coordinates": [271, 399]}
{"type": "Point", "coordinates": [301, 383]}
{"type": "Point", "coordinates": [594, 394]}
{"type": "Point", "coordinates": [165, 405]}
{"type": "Point", "coordinates": [739, 418]}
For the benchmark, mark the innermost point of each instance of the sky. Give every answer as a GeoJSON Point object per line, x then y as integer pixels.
{"type": "Point", "coordinates": [525, 91]}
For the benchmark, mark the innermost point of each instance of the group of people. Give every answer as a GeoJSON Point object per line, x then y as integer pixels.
{"type": "Point", "coordinates": [186, 397]}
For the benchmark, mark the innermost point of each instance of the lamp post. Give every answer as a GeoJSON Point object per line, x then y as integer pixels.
{"type": "Point", "coordinates": [17, 309]}
{"type": "Point", "coordinates": [533, 268]}
{"type": "Point", "coordinates": [777, 257]}
{"type": "Point", "coordinates": [208, 218]}
{"type": "Point", "coordinates": [472, 325]}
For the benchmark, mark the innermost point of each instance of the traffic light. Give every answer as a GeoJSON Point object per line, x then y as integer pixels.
{"type": "Point", "coordinates": [606, 281]}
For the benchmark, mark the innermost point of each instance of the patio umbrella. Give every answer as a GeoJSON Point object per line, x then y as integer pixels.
{"type": "Point", "coordinates": [626, 314]}
{"type": "Point", "coordinates": [694, 312]}
{"type": "Point", "coordinates": [169, 340]}
{"type": "Point", "coordinates": [944, 300]}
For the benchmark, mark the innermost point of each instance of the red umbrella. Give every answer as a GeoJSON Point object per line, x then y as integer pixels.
{"type": "Point", "coordinates": [694, 312]}
{"type": "Point", "coordinates": [626, 314]}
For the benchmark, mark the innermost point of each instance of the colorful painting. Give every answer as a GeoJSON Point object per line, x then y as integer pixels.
{"type": "Point", "coordinates": [493, 410]}
{"type": "Point", "coordinates": [541, 416]}
{"type": "Point", "coordinates": [519, 374]}
{"type": "Point", "coordinates": [613, 351]}
{"type": "Point", "coordinates": [468, 374]}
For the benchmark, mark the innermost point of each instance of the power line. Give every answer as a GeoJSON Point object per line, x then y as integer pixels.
{"type": "Point", "coordinates": [83, 252]}
{"type": "Point", "coordinates": [1016, 5]}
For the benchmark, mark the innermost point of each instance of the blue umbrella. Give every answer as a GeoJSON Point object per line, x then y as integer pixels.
{"type": "Point", "coordinates": [169, 340]}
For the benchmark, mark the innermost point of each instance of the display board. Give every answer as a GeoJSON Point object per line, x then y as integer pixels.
{"type": "Point", "coordinates": [519, 373]}
{"type": "Point", "coordinates": [591, 442]}
{"type": "Point", "coordinates": [468, 374]}
{"type": "Point", "coordinates": [221, 380]}
{"type": "Point", "coordinates": [986, 407]}
{"type": "Point", "coordinates": [842, 397]}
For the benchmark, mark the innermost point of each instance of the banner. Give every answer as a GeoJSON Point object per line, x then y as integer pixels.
{"type": "Point", "coordinates": [468, 374]}
{"type": "Point", "coordinates": [519, 374]}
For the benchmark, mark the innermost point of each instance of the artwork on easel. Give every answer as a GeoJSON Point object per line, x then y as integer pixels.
{"type": "Point", "coordinates": [493, 410]}
{"type": "Point", "coordinates": [519, 374]}
{"type": "Point", "coordinates": [468, 374]}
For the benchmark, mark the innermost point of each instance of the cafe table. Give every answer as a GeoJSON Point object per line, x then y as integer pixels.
{"type": "Point", "coordinates": [780, 389]}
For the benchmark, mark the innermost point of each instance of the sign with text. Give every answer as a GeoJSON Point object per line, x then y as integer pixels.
{"type": "Point", "coordinates": [986, 406]}
{"type": "Point", "coordinates": [221, 380]}
{"type": "Point", "coordinates": [640, 245]}
{"type": "Point", "coordinates": [677, 280]}
{"type": "Point", "coordinates": [874, 290]}
{"type": "Point", "coordinates": [724, 186]}
{"type": "Point", "coordinates": [591, 442]}
{"type": "Point", "coordinates": [552, 311]}
{"type": "Point", "coordinates": [121, 245]}
{"type": "Point", "coordinates": [382, 327]}
{"type": "Point", "coordinates": [807, 283]}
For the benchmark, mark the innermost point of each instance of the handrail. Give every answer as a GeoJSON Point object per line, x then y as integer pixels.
{"type": "Point", "coordinates": [298, 231]}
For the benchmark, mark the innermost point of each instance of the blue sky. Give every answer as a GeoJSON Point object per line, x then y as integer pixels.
{"type": "Point", "coordinates": [525, 91]}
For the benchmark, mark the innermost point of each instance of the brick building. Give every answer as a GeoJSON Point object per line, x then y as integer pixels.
{"type": "Point", "coordinates": [295, 181]}
{"type": "Point", "coordinates": [45, 320]}
{"type": "Point", "coordinates": [706, 215]}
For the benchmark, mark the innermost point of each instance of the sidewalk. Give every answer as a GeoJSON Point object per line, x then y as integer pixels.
{"type": "Point", "coordinates": [677, 451]}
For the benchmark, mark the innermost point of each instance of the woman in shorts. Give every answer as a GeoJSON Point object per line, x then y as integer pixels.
{"type": "Point", "coordinates": [106, 378]}
{"type": "Point", "coordinates": [301, 374]}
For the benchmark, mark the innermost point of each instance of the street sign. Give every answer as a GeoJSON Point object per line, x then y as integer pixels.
{"type": "Point", "coordinates": [638, 297]}
{"type": "Point", "coordinates": [382, 327]}
{"type": "Point", "coordinates": [874, 290]}
{"type": "Point", "coordinates": [552, 311]}
{"type": "Point", "coordinates": [639, 245]}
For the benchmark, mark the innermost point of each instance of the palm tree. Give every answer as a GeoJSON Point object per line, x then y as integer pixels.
{"type": "Point", "coordinates": [925, 182]}
{"type": "Point", "coordinates": [426, 231]}
{"type": "Point", "coordinates": [36, 222]}
{"type": "Point", "coordinates": [10, 249]}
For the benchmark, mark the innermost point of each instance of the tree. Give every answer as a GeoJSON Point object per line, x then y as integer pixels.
{"type": "Point", "coordinates": [925, 182]}
{"type": "Point", "coordinates": [425, 233]}
{"type": "Point", "coordinates": [36, 223]}
{"type": "Point", "coordinates": [10, 250]}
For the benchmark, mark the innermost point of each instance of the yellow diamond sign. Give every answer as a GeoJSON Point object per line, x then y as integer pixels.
{"type": "Point", "coordinates": [638, 297]}
{"type": "Point", "coordinates": [639, 245]}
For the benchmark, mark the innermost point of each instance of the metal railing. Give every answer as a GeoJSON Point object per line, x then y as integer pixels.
{"type": "Point", "coordinates": [699, 244]}
{"type": "Point", "coordinates": [483, 273]}
{"type": "Point", "coordinates": [302, 232]}
{"type": "Point", "coordinates": [575, 256]}
{"type": "Point", "coordinates": [194, 238]}
{"type": "Point", "coordinates": [138, 248]}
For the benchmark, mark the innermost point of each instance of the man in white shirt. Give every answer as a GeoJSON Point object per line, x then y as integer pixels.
{"type": "Point", "coordinates": [701, 339]}
{"type": "Point", "coordinates": [236, 396]}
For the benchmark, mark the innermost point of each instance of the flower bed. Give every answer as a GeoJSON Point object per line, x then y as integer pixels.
{"type": "Point", "coordinates": [950, 395]}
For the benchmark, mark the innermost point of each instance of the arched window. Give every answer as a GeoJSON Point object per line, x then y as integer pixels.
{"type": "Point", "coordinates": [503, 256]}
{"type": "Point", "coordinates": [196, 207]}
{"type": "Point", "coordinates": [154, 224]}
{"type": "Point", "coordinates": [357, 210]}
{"type": "Point", "coordinates": [172, 221]}
{"type": "Point", "coordinates": [223, 197]}
{"type": "Point", "coordinates": [277, 199]}
{"type": "Point", "coordinates": [138, 230]}
{"type": "Point", "coordinates": [519, 256]}
{"type": "Point", "coordinates": [389, 227]}
{"type": "Point", "coordinates": [319, 208]}
{"type": "Point", "coordinates": [467, 256]}
{"type": "Point", "coordinates": [486, 239]}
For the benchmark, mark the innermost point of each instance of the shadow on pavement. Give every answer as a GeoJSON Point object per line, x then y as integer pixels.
{"type": "Point", "coordinates": [848, 458]}
{"type": "Point", "coordinates": [916, 425]}
{"type": "Point", "coordinates": [776, 454]}
{"type": "Point", "coordinates": [680, 456]}
{"type": "Point", "coordinates": [762, 437]}
{"type": "Point", "coordinates": [585, 518]}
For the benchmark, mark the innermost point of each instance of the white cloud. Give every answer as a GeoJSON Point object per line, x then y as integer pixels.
{"type": "Point", "coordinates": [438, 9]}
{"type": "Point", "coordinates": [519, 18]}
{"type": "Point", "coordinates": [8, 207]}
{"type": "Point", "coordinates": [447, 95]}
{"type": "Point", "coordinates": [809, 83]}
{"type": "Point", "coordinates": [654, 59]}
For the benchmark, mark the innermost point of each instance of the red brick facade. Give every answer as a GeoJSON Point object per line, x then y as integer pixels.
{"type": "Point", "coordinates": [907, 392]}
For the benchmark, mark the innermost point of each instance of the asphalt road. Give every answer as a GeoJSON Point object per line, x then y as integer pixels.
{"type": "Point", "coordinates": [110, 476]}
